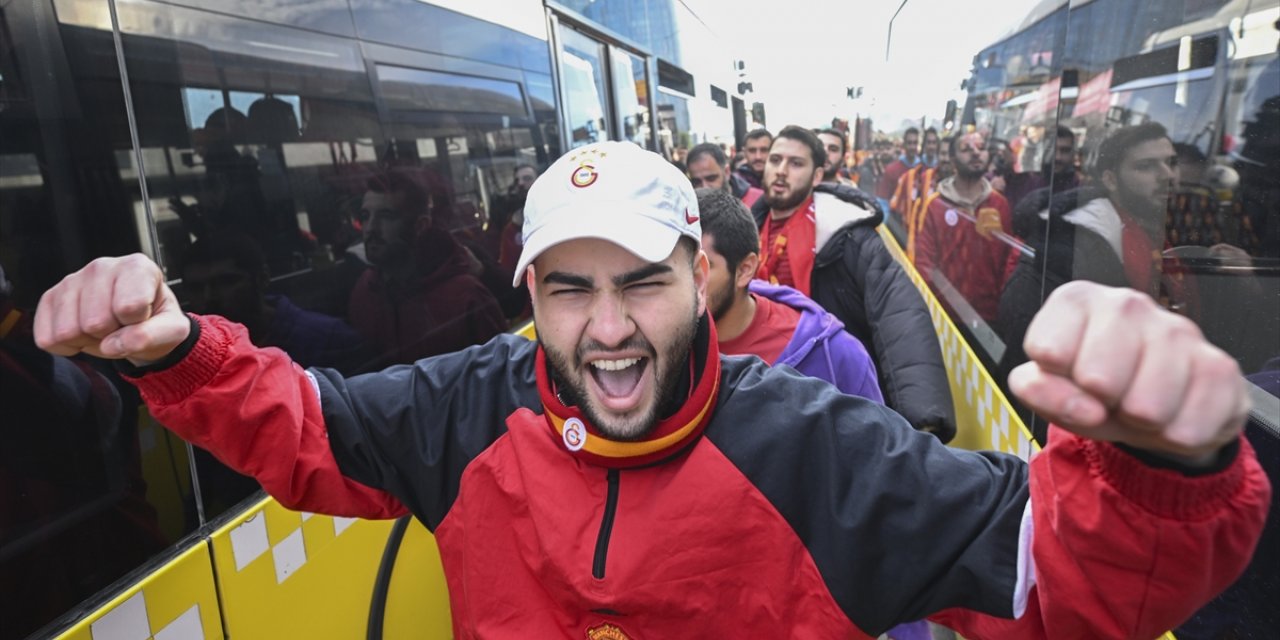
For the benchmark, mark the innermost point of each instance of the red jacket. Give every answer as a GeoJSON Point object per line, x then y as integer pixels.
{"type": "Point", "coordinates": [828, 517]}
{"type": "Point", "coordinates": [446, 309]}
{"type": "Point", "coordinates": [976, 264]}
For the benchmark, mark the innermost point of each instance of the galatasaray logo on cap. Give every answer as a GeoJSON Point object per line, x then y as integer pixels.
{"type": "Point", "coordinates": [584, 176]}
{"type": "Point", "coordinates": [574, 434]}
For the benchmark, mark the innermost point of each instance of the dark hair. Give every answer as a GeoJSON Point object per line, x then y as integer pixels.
{"type": "Point", "coordinates": [726, 218]}
{"type": "Point", "coordinates": [415, 196]}
{"type": "Point", "coordinates": [1112, 150]}
{"type": "Point", "coordinates": [909, 131]}
{"type": "Point", "coordinates": [759, 133]}
{"type": "Point", "coordinates": [707, 148]}
{"type": "Point", "coordinates": [238, 247]}
{"type": "Point", "coordinates": [806, 137]}
{"type": "Point", "coordinates": [1064, 132]}
{"type": "Point", "coordinates": [834, 132]}
{"type": "Point", "coordinates": [1190, 154]}
{"type": "Point", "coordinates": [931, 130]}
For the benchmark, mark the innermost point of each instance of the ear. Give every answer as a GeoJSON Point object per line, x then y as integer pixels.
{"type": "Point", "coordinates": [746, 270]}
{"type": "Point", "coordinates": [531, 282]}
{"type": "Point", "coordinates": [701, 274]}
{"type": "Point", "coordinates": [818, 174]}
{"type": "Point", "coordinates": [1110, 181]}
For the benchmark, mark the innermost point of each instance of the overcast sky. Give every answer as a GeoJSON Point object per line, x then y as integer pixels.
{"type": "Point", "coordinates": [802, 54]}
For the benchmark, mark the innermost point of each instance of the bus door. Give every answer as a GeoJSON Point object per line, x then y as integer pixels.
{"type": "Point", "coordinates": [604, 85]}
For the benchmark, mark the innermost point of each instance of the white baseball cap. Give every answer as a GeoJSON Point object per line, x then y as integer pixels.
{"type": "Point", "coordinates": [613, 191]}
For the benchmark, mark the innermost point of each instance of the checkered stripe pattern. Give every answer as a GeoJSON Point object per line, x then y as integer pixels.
{"type": "Point", "coordinates": [981, 407]}
{"type": "Point", "coordinates": [286, 541]}
{"type": "Point", "coordinates": [130, 621]}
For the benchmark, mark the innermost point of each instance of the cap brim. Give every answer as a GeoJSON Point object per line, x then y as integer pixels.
{"type": "Point", "coordinates": [648, 239]}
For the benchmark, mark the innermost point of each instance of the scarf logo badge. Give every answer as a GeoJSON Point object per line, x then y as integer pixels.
{"type": "Point", "coordinates": [574, 434]}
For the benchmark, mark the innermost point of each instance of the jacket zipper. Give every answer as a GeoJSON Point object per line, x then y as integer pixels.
{"type": "Point", "coordinates": [606, 526]}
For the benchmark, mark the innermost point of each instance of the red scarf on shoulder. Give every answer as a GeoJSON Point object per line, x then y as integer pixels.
{"type": "Point", "coordinates": [793, 245]}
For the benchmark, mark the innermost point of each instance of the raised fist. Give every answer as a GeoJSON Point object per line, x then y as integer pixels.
{"type": "Point", "coordinates": [112, 308]}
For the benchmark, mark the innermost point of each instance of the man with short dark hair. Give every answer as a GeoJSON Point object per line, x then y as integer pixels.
{"type": "Point", "coordinates": [756, 148]}
{"type": "Point", "coordinates": [775, 322]}
{"type": "Point", "coordinates": [619, 478]}
{"type": "Point", "coordinates": [420, 295]}
{"type": "Point", "coordinates": [930, 148]}
{"type": "Point", "coordinates": [833, 142]}
{"type": "Point", "coordinates": [909, 158]}
{"type": "Point", "coordinates": [709, 167]}
{"type": "Point", "coordinates": [821, 240]}
{"type": "Point", "coordinates": [966, 233]}
{"type": "Point", "coordinates": [1113, 234]}
{"type": "Point", "coordinates": [873, 166]}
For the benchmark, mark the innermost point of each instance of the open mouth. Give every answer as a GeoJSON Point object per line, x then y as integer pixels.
{"type": "Point", "coordinates": [619, 383]}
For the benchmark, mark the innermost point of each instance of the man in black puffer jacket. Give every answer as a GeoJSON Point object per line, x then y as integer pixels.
{"type": "Point", "coordinates": [851, 273]}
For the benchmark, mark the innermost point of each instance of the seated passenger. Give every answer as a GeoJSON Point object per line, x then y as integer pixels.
{"type": "Point", "coordinates": [956, 235]}
{"type": "Point", "coordinates": [419, 297]}
{"type": "Point", "coordinates": [225, 274]}
{"type": "Point", "coordinates": [775, 322]}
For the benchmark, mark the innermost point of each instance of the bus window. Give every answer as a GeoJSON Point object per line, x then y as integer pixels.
{"type": "Point", "coordinates": [90, 487]}
{"type": "Point", "coordinates": [582, 73]}
{"type": "Point", "coordinates": [631, 90]}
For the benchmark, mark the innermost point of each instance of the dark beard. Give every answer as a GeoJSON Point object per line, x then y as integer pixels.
{"type": "Point", "coordinates": [722, 307]}
{"type": "Point", "coordinates": [669, 381]}
{"type": "Point", "coordinates": [783, 203]}
{"type": "Point", "coordinates": [965, 173]}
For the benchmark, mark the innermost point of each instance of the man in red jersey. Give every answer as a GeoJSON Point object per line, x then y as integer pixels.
{"type": "Point", "coordinates": [966, 234]}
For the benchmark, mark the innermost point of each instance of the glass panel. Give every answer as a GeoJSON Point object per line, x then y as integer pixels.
{"type": "Point", "coordinates": [252, 134]}
{"type": "Point", "coordinates": [90, 486]}
{"type": "Point", "coordinates": [673, 124]}
{"type": "Point", "coordinates": [1182, 148]}
{"type": "Point", "coordinates": [415, 89]}
{"type": "Point", "coordinates": [631, 93]}
{"type": "Point", "coordinates": [582, 73]}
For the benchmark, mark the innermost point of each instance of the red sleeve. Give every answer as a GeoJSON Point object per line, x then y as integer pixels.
{"type": "Point", "coordinates": [1124, 550]}
{"type": "Point", "coordinates": [1012, 253]}
{"type": "Point", "coordinates": [889, 179]}
{"type": "Point", "coordinates": [259, 413]}
{"type": "Point", "coordinates": [927, 241]}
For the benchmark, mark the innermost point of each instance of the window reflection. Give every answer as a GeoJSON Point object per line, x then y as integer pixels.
{"type": "Point", "coordinates": [582, 73]}
{"type": "Point", "coordinates": [90, 488]}
{"type": "Point", "coordinates": [352, 219]}
{"type": "Point", "coordinates": [631, 90]}
{"type": "Point", "coordinates": [1136, 145]}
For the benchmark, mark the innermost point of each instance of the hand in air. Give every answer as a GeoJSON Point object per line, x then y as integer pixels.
{"type": "Point", "coordinates": [1109, 364]}
{"type": "Point", "coordinates": [112, 308]}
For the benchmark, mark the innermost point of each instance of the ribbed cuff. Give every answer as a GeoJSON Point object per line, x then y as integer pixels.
{"type": "Point", "coordinates": [1165, 492]}
{"type": "Point", "coordinates": [167, 383]}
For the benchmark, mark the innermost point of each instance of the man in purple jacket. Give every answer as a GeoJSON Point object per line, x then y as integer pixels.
{"type": "Point", "coordinates": [776, 323]}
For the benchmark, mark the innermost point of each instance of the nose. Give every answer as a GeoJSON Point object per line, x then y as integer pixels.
{"type": "Point", "coordinates": [610, 323]}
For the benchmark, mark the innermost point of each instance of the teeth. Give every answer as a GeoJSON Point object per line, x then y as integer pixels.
{"type": "Point", "coordinates": [615, 365]}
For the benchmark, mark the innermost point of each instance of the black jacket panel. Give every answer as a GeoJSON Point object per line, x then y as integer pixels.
{"type": "Point", "coordinates": [858, 281]}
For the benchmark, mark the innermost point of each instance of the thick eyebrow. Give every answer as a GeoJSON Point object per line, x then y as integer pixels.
{"type": "Point", "coordinates": [647, 271]}
{"type": "Point", "coordinates": [560, 277]}
{"type": "Point", "coordinates": [582, 282]}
